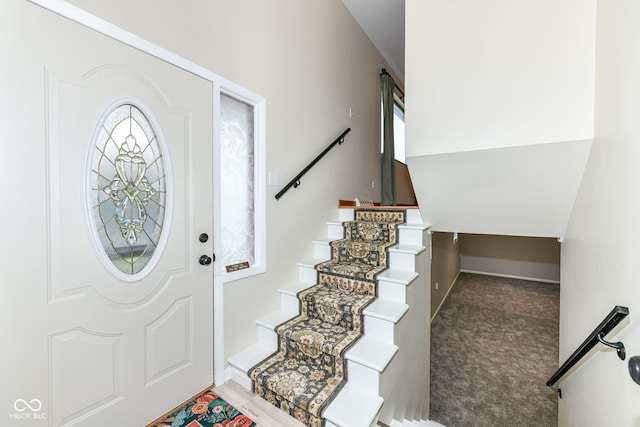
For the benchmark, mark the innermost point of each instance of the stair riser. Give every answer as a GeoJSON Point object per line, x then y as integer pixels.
{"type": "Point", "coordinates": [322, 250]}
{"type": "Point", "coordinates": [268, 337]}
{"type": "Point", "coordinates": [402, 261]}
{"type": "Point", "coordinates": [289, 303]}
{"type": "Point", "coordinates": [335, 231]}
{"type": "Point", "coordinates": [410, 236]}
{"type": "Point", "coordinates": [363, 376]}
{"type": "Point", "coordinates": [392, 291]}
{"type": "Point", "coordinates": [307, 274]}
{"type": "Point", "coordinates": [379, 328]}
{"type": "Point", "coordinates": [347, 214]}
{"type": "Point", "coordinates": [414, 217]}
{"type": "Point", "coordinates": [239, 377]}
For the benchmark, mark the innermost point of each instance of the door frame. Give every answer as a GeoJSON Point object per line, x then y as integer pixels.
{"type": "Point", "coordinates": [220, 85]}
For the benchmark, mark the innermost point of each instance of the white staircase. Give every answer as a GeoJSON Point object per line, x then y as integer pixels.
{"type": "Point", "coordinates": [375, 366]}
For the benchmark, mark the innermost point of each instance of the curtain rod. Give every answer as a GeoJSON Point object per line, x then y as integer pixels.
{"type": "Point", "coordinates": [384, 71]}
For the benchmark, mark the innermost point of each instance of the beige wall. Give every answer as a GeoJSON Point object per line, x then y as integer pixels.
{"type": "Point", "coordinates": [525, 257]}
{"type": "Point", "coordinates": [404, 187]}
{"type": "Point", "coordinates": [601, 251]}
{"type": "Point", "coordinates": [445, 267]}
{"type": "Point", "coordinates": [312, 62]}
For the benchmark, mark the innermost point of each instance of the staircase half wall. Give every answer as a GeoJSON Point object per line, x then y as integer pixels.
{"type": "Point", "coordinates": [521, 191]}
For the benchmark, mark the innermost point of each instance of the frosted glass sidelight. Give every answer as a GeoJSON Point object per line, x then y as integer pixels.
{"type": "Point", "coordinates": [237, 179]}
{"type": "Point", "coordinates": [128, 188]}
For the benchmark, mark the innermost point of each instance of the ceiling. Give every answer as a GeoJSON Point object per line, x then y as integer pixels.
{"type": "Point", "coordinates": [383, 21]}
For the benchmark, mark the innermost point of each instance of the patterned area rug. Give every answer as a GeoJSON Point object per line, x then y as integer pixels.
{"type": "Point", "coordinates": [206, 410]}
{"type": "Point", "coordinates": [309, 369]}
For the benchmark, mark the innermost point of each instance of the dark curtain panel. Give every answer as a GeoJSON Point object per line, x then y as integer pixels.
{"type": "Point", "coordinates": [388, 160]}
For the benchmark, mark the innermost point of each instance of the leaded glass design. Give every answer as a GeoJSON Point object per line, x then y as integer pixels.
{"type": "Point", "coordinates": [128, 188]}
{"type": "Point", "coordinates": [237, 175]}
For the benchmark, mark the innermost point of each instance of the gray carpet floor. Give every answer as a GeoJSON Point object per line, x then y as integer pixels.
{"type": "Point", "coordinates": [494, 344]}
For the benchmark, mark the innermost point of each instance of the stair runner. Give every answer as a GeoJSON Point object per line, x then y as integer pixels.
{"type": "Point", "coordinates": [308, 369]}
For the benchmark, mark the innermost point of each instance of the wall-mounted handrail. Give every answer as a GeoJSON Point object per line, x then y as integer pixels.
{"type": "Point", "coordinates": [295, 182]}
{"type": "Point", "coordinates": [597, 336]}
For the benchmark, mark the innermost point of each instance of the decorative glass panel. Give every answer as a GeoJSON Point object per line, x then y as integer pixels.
{"type": "Point", "coordinates": [237, 172]}
{"type": "Point", "coordinates": [128, 189]}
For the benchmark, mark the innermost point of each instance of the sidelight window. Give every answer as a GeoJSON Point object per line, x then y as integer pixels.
{"type": "Point", "coordinates": [242, 207]}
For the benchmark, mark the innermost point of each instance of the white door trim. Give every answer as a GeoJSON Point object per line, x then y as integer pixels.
{"type": "Point", "coordinates": [219, 83]}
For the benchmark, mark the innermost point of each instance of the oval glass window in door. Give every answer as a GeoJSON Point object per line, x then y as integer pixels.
{"type": "Point", "coordinates": [128, 191]}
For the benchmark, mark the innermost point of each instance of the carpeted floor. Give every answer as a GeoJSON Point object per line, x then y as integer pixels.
{"type": "Point", "coordinates": [493, 346]}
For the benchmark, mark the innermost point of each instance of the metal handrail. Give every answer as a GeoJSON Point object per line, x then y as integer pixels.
{"type": "Point", "coordinates": [597, 336]}
{"type": "Point", "coordinates": [295, 182]}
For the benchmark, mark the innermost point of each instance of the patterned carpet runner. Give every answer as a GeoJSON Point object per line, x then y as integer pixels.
{"type": "Point", "coordinates": [309, 369]}
{"type": "Point", "coordinates": [206, 410]}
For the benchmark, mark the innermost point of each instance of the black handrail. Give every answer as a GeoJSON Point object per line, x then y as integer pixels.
{"type": "Point", "coordinates": [295, 182]}
{"type": "Point", "coordinates": [597, 336]}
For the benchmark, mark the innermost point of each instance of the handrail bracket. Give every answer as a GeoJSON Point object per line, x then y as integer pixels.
{"type": "Point", "coordinates": [556, 390]}
{"type": "Point", "coordinates": [619, 346]}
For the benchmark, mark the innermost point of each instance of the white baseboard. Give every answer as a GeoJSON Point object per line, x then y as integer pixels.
{"type": "Point", "coordinates": [433, 315]}
{"type": "Point", "coordinates": [534, 279]}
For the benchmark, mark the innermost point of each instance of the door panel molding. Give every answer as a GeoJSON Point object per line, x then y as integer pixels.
{"type": "Point", "coordinates": [80, 360]}
{"type": "Point", "coordinates": [175, 355]}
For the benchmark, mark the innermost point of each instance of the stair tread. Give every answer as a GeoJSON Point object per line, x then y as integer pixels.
{"type": "Point", "coordinates": [372, 352]}
{"type": "Point", "coordinates": [310, 262]}
{"type": "Point", "coordinates": [276, 318]}
{"type": "Point", "coordinates": [410, 249]}
{"type": "Point", "coordinates": [294, 288]}
{"type": "Point", "coordinates": [386, 309]}
{"type": "Point", "coordinates": [322, 241]}
{"type": "Point", "coordinates": [354, 406]}
{"type": "Point", "coordinates": [398, 276]}
{"type": "Point", "coordinates": [413, 226]}
{"type": "Point", "coordinates": [249, 357]}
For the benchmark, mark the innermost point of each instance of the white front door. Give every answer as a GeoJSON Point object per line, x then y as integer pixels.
{"type": "Point", "coordinates": [107, 314]}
